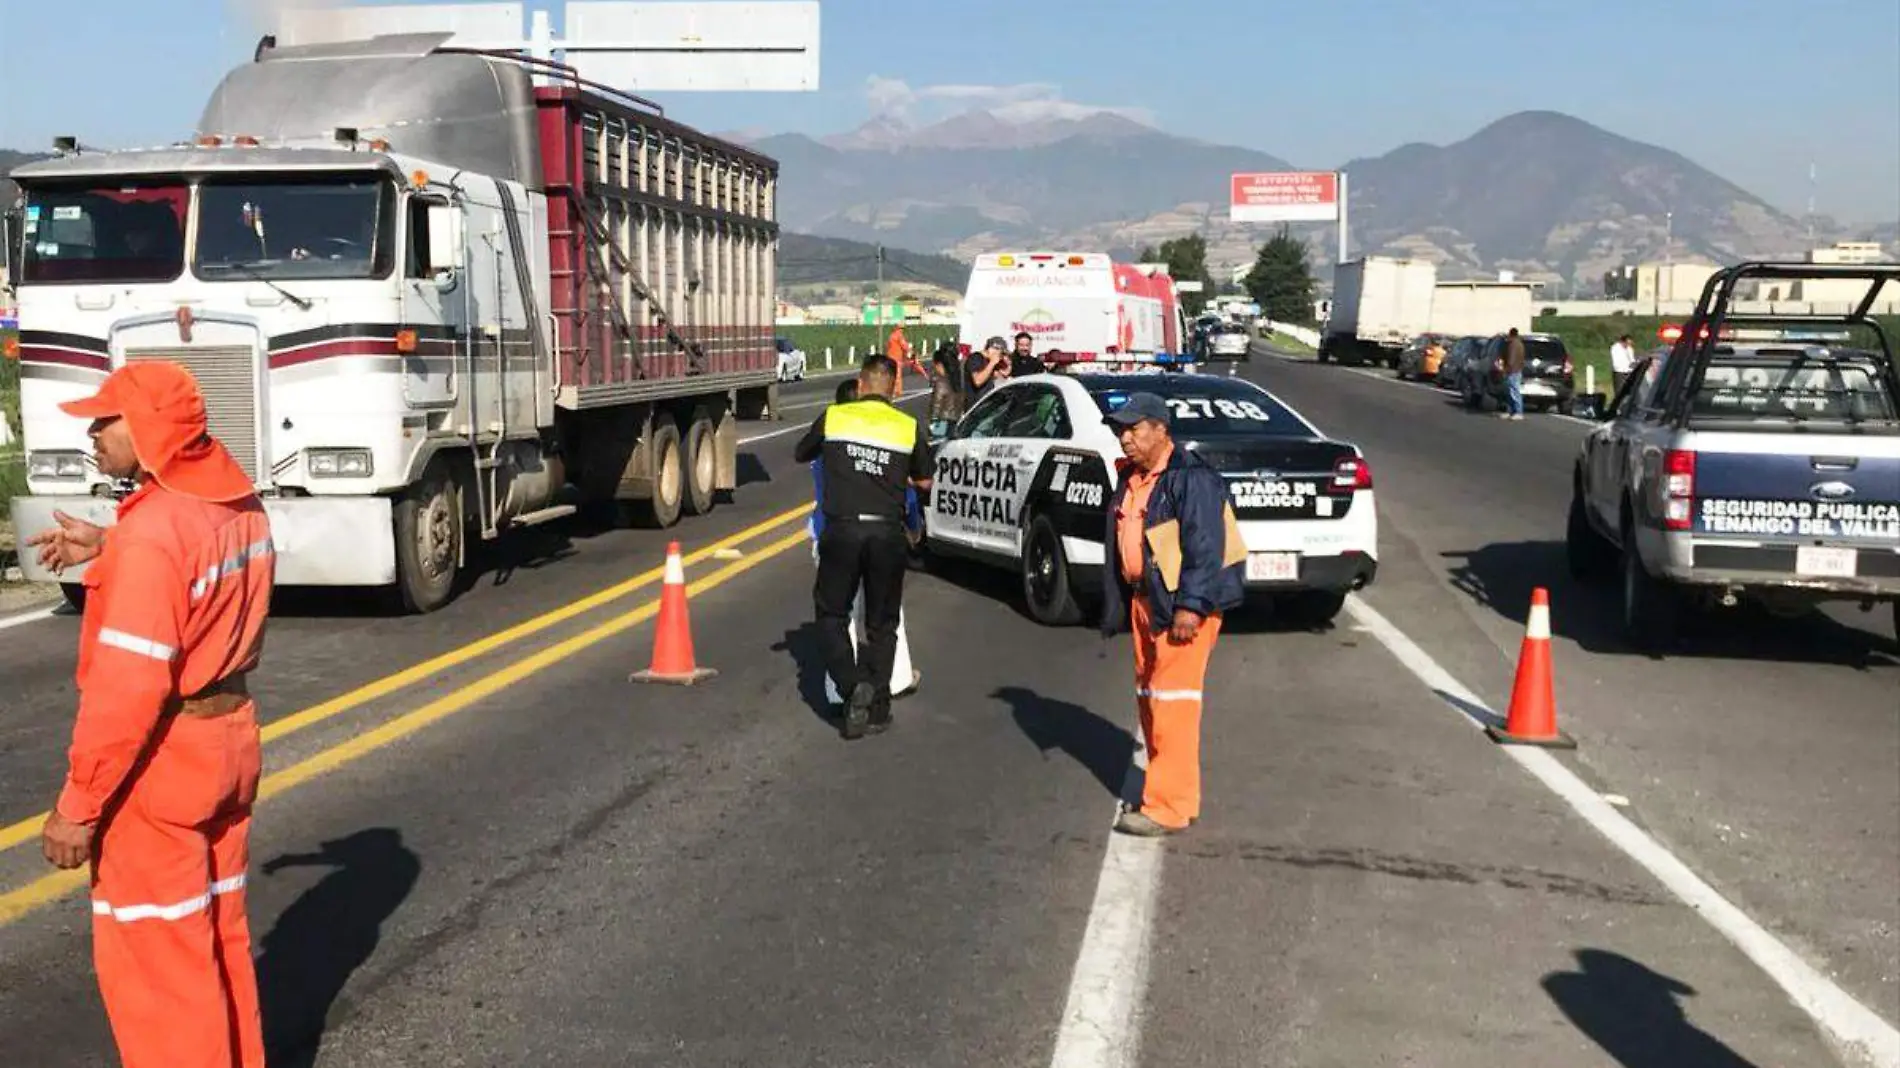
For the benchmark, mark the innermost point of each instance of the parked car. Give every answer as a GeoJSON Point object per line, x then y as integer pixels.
{"type": "Point", "coordinates": [791, 361]}
{"type": "Point", "coordinates": [1547, 375]}
{"type": "Point", "coordinates": [1451, 369]}
{"type": "Point", "coordinates": [1229, 341]}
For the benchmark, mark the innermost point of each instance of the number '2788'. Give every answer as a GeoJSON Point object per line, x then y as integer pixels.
{"type": "Point", "coordinates": [1209, 407]}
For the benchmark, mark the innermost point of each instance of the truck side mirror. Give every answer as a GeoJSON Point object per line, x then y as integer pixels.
{"type": "Point", "coordinates": [445, 238]}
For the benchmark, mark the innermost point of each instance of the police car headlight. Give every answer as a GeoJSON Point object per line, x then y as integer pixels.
{"type": "Point", "coordinates": [339, 463]}
{"type": "Point", "coordinates": [56, 463]}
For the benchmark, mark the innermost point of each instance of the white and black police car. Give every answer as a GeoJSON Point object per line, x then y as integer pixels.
{"type": "Point", "coordinates": [1025, 477]}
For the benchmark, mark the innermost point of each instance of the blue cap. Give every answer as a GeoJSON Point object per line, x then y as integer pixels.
{"type": "Point", "coordinates": [1139, 406]}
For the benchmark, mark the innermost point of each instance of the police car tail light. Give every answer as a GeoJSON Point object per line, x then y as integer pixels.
{"type": "Point", "coordinates": [1352, 473]}
{"type": "Point", "coordinates": [1678, 488]}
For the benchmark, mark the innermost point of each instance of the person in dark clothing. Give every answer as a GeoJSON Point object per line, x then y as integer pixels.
{"type": "Point", "coordinates": [946, 391]}
{"type": "Point", "coordinates": [1513, 367]}
{"type": "Point", "coordinates": [872, 452]}
{"type": "Point", "coordinates": [985, 369]}
{"type": "Point", "coordinates": [1023, 361]}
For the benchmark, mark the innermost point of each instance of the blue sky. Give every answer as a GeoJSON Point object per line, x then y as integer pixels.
{"type": "Point", "coordinates": [1752, 89]}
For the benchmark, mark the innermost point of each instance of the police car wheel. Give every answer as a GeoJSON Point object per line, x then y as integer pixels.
{"type": "Point", "coordinates": [1651, 606]}
{"type": "Point", "coordinates": [1047, 590]}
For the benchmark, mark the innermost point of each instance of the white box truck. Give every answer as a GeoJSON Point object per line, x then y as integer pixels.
{"type": "Point", "coordinates": [1460, 309]}
{"type": "Point", "coordinates": [1379, 304]}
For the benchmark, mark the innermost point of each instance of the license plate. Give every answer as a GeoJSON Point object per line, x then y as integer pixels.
{"type": "Point", "coordinates": [1273, 567]}
{"type": "Point", "coordinates": [1824, 563]}
{"type": "Point", "coordinates": [1538, 389]}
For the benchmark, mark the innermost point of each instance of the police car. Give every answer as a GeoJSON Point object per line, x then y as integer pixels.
{"type": "Point", "coordinates": [1024, 481]}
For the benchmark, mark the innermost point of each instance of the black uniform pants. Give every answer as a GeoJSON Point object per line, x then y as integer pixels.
{"type": "Point", "coordinates": [851, 551]}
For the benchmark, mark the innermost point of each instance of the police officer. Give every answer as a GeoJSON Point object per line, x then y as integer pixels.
{"type": "Point", "coordinates": [871, 451]}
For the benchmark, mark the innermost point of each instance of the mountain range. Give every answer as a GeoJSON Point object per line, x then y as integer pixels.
{"type": "Point", "coordinates": [1544, 194]}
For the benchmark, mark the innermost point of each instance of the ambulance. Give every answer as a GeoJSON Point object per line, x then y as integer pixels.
{"type": "Point", "coordinates": [1083, 305]}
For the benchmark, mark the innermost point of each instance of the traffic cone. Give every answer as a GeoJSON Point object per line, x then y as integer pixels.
{"type": "Point", "coordinates": [673, 641]}
{"type": "Point", "coordinates": [1533, 716]}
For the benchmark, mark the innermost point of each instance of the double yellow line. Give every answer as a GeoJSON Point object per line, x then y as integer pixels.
{"type": "Point", "coordinates": [47, 888]}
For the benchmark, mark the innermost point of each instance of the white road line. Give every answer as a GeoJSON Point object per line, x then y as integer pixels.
{"type": "Point", "coordinates": [24, 618]}
{"type": "Point", "coordinates": [1846, 1021]}
{"type": "Point", "coordinates": [1101, 1022]}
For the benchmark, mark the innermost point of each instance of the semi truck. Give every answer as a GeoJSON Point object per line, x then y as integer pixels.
{"type": "Point", "coordinates": [431, 294]}
{"type": "Point", "coordinates": [1464, 309]}
{"type": "Point", "coordinates": [1379, 303]}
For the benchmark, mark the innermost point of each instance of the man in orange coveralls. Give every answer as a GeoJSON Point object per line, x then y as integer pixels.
{"type": "Point", "coordinates": [1175, 569]}
{"type": "Point", "coordinates": [164, 763]}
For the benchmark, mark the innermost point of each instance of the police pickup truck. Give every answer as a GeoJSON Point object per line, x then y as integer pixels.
{"type": "Point", "coordinates": [1024, 479]}
{"type": "Point", "coordinates": [1749, 464]}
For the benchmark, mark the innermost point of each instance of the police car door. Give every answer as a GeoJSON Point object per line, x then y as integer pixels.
{"type": "Point", "coordinates": [956, 483]}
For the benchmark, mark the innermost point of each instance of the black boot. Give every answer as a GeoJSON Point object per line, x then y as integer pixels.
{"type": "Point", "coordinates": [880, 719]}
{"type": "Point", "coordinates": [857, 710]}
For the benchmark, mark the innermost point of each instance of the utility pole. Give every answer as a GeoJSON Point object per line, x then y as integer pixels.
{"type": "Point", "coordinates": [877, 298]}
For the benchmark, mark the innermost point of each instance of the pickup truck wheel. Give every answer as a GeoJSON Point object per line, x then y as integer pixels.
{"type": "Point", "coordinates": [1651, 606]}
{"type": "Point", "coordinates": [1047, 591]}
{"type": "Point", "coordinates": [1589, 554]}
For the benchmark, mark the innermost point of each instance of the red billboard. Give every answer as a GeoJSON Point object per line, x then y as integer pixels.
{"type": "Point", "coordinates": [1285, 196]}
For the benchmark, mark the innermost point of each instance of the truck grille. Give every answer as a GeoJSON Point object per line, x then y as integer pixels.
{"type": "Point", "coordinates": [227, 376]}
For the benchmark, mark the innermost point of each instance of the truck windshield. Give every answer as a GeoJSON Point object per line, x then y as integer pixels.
{"type": "Point", "coordinates": [117, 230]}
{"type": "Point", "coordinates": [298, 227]}
{"type": "Point", "coordinates": [1797, 388]}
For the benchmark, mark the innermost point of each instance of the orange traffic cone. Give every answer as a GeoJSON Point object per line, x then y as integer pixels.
{"type": "Point", "coordinates": [673, 641]}
{"type": "Point", "coordinates": [1533, 715]}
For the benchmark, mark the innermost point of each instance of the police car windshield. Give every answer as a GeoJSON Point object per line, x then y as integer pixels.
{"type": "Point", "coordinates": [1207, 407]}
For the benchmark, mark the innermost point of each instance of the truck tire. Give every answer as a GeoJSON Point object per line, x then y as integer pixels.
{"type": "Point", "coordinates": [1652, 607]}
{"type": "Point", "coordinates": [662, 509]}
{"type": "Point", "coordinates": [429, 531]}
{"type": "Point", "coordinates": [701, 463]}
{"type": "Point", "coordinates": [1048, 592]}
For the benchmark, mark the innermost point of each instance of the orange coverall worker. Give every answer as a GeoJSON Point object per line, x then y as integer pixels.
{"type": "Point", "coordinates": [897, 347]}
{"type": "Point", "coordinates": [1176, 492]}
{"type": "Point", "coordinates": [164, 762]}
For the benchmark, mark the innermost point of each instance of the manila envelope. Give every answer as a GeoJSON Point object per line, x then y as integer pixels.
{"type": "Point", "coordinates": [1164, 541]}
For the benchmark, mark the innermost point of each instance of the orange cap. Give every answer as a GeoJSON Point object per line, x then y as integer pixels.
{"type": "Point", "coordinates": [165, 413]}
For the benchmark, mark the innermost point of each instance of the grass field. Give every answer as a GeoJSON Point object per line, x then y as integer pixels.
{"type": "Point", "coordinates": [841, 340]}
{"type": "Point", "coordinates": [1288, 343]}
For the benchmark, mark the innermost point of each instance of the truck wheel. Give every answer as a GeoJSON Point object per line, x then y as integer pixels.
{"type": "Point", "coordinates": [1047, 591]}
{"type": "Point", "coordinates": [1589, 553]}
{"type": "Point", "coordinates": [701, 463]}
{"type": "Point", "coordinates": [662, 510]}
{"type": "Point", "coordinates": [429, 531]}
{"type": "Point", "coordinates": [1651, 606]}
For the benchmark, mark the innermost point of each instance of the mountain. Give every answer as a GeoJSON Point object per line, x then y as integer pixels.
{"type": "Point", "coordinates": [807, 260]}
{"type": "Point", "coordinates": [1547, 195]}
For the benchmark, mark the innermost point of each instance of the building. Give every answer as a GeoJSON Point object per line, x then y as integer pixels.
{"type": "Point", "coordinates": [1831, 294]}
{"type": "Point", "coordinates": [1667, 282]}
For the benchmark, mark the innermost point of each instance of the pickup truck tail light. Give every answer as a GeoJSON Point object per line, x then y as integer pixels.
{"type": "Point", "coordinates": [1352, 473]}
{"type": "Point", "coordinates": [1568, 368]}
{"type": "Point", "coordinates": [1678, 489]}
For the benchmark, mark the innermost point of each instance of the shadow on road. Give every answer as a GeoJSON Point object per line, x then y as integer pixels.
{"type": "Point", "coordinates": [751, 470]}
{"type": "Point", "coordinates": [1633, 1013]}
{"type": "Point", "coordinates": [1105, 749]}
{"type": "Point", "coordinates": [326, 935]}
{"type": "Point", "coordinates": [807, 652]}
{"type": "Point", "coordinates": [1501, 576]}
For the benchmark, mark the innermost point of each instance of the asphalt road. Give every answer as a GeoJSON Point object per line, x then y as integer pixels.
{"type": "Point", "coordinates": [554, 865]}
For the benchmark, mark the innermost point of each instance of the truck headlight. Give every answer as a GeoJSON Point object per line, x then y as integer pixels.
{"type": "Point", "coordinates": [339, 463]}
{"type": "Point", "coordinates": [56, 463]}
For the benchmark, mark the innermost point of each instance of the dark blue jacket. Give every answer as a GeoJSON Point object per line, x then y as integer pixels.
{"type": "Point", "coordinates": [1194, 494]}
